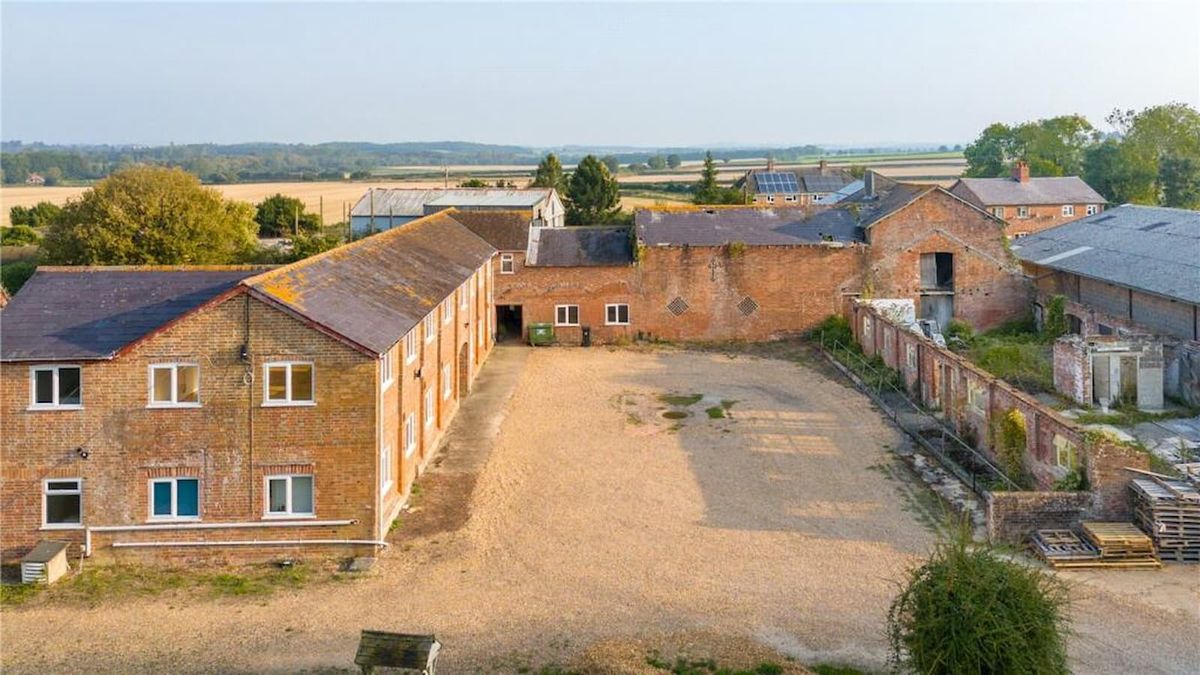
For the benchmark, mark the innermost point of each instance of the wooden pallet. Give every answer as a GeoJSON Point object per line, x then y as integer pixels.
{"type": "Point", "coordinates": [1169, 511]}
{"type": "Point", "coordinates": [1116, 540]}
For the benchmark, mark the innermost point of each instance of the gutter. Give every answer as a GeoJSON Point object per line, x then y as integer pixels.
{"type": "Point", "coordinates": [87, 533]}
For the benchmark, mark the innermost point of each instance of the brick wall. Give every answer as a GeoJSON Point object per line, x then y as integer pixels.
{"type": "Point", "coordinates": [1013, 516]}
{"type": "Point", "coordinates": [1041, 217]}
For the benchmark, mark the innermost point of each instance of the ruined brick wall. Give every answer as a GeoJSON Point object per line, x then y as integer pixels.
{"type": "Point", "coordinates": [1072, 373]}
{"type": "Point", "coordinates": [1013, 516]}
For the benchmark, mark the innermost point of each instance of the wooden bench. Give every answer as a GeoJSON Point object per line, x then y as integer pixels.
{"type": "Point", "coordinates": [399, 651]}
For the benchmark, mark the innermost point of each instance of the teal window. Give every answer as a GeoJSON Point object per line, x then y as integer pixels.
{"type": "Point", "coordinates": [175, 498]}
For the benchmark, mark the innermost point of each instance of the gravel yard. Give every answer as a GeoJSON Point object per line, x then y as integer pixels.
{"type": "Point", "coordinates": [765, 508]}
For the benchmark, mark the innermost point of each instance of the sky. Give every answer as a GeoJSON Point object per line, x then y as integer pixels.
{"type": "Point", "coordinates": [546, 74]}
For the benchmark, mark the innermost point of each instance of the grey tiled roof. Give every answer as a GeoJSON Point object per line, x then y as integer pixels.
{"type": "Point", "coordinates": [749, 225]}
{"type": "Point", "coordinates": [412, 201]}
{"type": "Point", "coordinates": [90, 313]}
{"type": "Point", "coordinates": [504, 230]}
{"type": "Point", "coordinates": [579, 246]}
{"type": "Point", "coordinates": [1146, 248]}
{"type": "Point", "coordinates": [1009, 192]}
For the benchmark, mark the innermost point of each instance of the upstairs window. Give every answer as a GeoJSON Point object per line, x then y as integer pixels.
{"type": "Point", "coordinates": [566, 315]}
{"type": "Point", "coordinates": [447, 310]}
{"type": "Point", "coordinates": [288, 383]}
{"type": "Point", "coordinates": [410, 347]}
{"type": "Point", "coordinates": [616, 315]}
{"type": "Point", "coordinates": [998, 211]}
{"type": "Point", "coordinates": [1068, 210]}
{"type": "Point", "coordinates": [62, 503]}
{"type": "Point", "coordinates": [387, 369]}
{"type": "Point", "coordinates": [430, 328]}
{"type": "Point", "coordinates": [410, 434]}
{"type": "Point", "coordinates": [1092, 209]}
{"type": "Point", "coordinates": [174, 385]}
{"type": "Point", "coordinates": [174, 498]}
{"type": "Point", "coordinates": [289, 495]}
{"type": "Point", "coordinates": [56, 387]}
{"type": "Point", "coordinates": [1022, 211]}
{"type": "Point", "coordinates": [506, 263]}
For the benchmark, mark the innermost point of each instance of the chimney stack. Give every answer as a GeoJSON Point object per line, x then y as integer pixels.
{"type": "Point", "coordinates": [822, 165]}
{"type": "Point", "coordinates": [1020, 171]}
{"type": "Point", "coordinates": [770, 163]}
{"type": "Point", "coordinates": [869, 183]}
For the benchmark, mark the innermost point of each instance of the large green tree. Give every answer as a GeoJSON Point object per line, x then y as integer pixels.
{"type": "Point", "coordinates": [1115, 171]}
{"type": "Point", "coordinates": [150, 216]}
{"type": "Point", "coordinates": [1052, 147]}
{"type": "Point", "coordinates": [1180, 181]}
{"type": "Point", "coordinates": [38, 215]}
{"type": "Point", "coordinates": [282, 216]}
{"type": "Point", "coordinates": [988, 156]}
{"type": "Point", "coordinates": [593, 195]}
{"type": "Point", "coordinates": [549, 174]}
{"type": "Point", "coordinates": [707, 191]}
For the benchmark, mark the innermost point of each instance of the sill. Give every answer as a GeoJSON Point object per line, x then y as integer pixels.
{"type": "Point", "coordinates": [167, 520]}
{"type": "Point", "coordinates": [616, 324]}
{"type": "Point", "coordinates": [61, 527]}
{"type": "Point", "coordinates": [408, 452]}
{"type": "Point", "coordinates": [168, 406]}
{"type": "Point", "coordinates": [52, 408]}
{"type": "Point", "coordinates": [566, 325]}
{"type": "Point", "coordinates": [503, 272]}
{"type": "Point", "coordinates": [429, 340]}
{"type": "Point", "coordinates": [387, 385]}
{"type": "Point", "coordinates": [289, 516]}
{"type": "Point", "coordinates": [410, 361]}
{"type": "Point", "coordinates": [289, 404]}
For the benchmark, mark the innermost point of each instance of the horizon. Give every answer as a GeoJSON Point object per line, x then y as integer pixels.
{"type": "Point", "coordinates": [652, 82]}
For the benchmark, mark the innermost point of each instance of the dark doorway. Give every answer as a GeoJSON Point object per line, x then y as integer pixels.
{"type": "Point", "coordinates": [508, 323]}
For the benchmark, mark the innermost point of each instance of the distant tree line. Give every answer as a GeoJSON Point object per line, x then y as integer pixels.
{"type": "Point", "coordinates": [1149, 157]}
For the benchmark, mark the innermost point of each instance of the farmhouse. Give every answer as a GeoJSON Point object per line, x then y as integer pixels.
{"type": "Point", "coordinates": [225, 412]}
{"type": "Point", "coordinates": [799, 187]}
{"type": "Point", "coordinates": [1030, 205]}
{"type": "Point", "coordinates": [382, 209]}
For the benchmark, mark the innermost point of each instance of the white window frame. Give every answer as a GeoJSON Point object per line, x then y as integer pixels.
{"type": "Point", "coordinates": [174, 483]}
{"type": "Point", "coordinates": [790, 198]}
{"type": "Point", "coordinates": [1064, 453]}
{"type": "Point", "coordinates": [998, 211]}
{"type": "Point", "coordinates": [289, 513]}
{"type": "Point", "coordinates": [447, 382]}
{"type": "Point", "coordinates": [568, 321]}
{"type": "Point", "coordinates": [410, 346]}
{"type": "Point", "coordinates": [430, 407]}
{"type": "Point", "coordinates": [462, 297]}
{"type": "Point", "coordinates": [55, 405]}
{"type": "Point", "coordinates": [1092, 209]}
{"type": "Point", "coordinates": [429, 325]}
{"type": "Point", "coordinates": [1020, 235]}
{"type": "Point", "coordinates": [616, 306]}
{"type": "Point", "coordinates": [1022, 211]}
{"type": "Point", "coordinates": [410, 434]}
{"type": "Point", "coordinates": [508, 264]}
{"type": "Point", "coordinates": [770, 199]}
{"type": "Point", "coordinates": [174, 402]}
{"type": "Point", "coordinates": [45, 503]}
{"type": "Point", "coordinates": [447, 310]}
{"type": "Point", "coordinates": [385, 467]}
{"type": "Point", "coordinates": [817, 198]}
{"type": "Point", "coordinates": [1068, 210]}
{"type": "Point", "coordinates": [387, 369]}
{"type": "Point", "coordinates": [289, 401]}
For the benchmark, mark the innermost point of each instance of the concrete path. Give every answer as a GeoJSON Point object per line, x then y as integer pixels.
{"type": "Point", "coordinates": [442, 496]}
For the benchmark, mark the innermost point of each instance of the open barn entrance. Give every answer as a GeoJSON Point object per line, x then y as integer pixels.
{"type": "Point", "coordinates": [509, 323]}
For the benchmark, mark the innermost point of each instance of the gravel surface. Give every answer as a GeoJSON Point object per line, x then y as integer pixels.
{"type": "Point", "coordinates": [596, 521]}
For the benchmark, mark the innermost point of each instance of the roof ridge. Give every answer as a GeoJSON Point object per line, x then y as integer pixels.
{"type": "Point", "coordinates": [155, 268]}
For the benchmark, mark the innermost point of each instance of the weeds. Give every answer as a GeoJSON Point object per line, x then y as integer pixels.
{"type": "Point", "coordinates": [685, 666]}
{"type": "Point", "coordinates": [715, 413]}
{"type": "Point", "coordinates": [682, 400]}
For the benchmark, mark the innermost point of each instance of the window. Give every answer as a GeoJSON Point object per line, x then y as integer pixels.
{"type": "Point", "coordinates": [385, 467]}
{"type": "Point", "coordinates": [410, 434]}
{"type": "Point", "coordinates": [770, 199]}
{"type": "Point", "coordinates": [410, 347]}
{"type": "Point", "coordinates": [1092, 209]}
{"type": "Point", "coordinates": [462, 297]}
{"type": "Point", "coordinates": [789, 198]}
{"type": "Point", "coordinates": [1020, 235]}
{"type": "Point", "coordinates": [174, 385]}
{"type": "Point", "coordinates": [289, 495]}
{"type": "Point", "coordinates": [566, 315]}
{"type": "Point", "coordinates": [429, 409]}
{"type": "Point", "coordinates": [62, 503]}
{"type": "Point", "coordinates": [430, 324]}
{"type": "Point", "coordinates": [387, 373]}
{"type": "Point", "coordinates": [288, 384]}
{"type": "Point", "coordinates": [506, 263]}
{"type": "Point", "coordinates": [937, 271]}
{"type": "Point", "coordinates": [1064, 452]}
{"type": "Point", "coordinates": [56, 387]}
{"type": "Point", "coordinates": [910, 356]}
{"type": "Point", "coordinates": [175, 498]}
{"type": "Point", "coordinates": [1068, 210]}
{"type": "Point", "coordinates": [998, 211]}
{"type": "Point", "coordinates": [616, 315]}
{"type": "Point", "coordinates": [447, 383]}
{"type": "Point", "coordinates": [447, 311]}
{"type": "Point", "coordinates": [1103, 329]}
{"type": "Point", "coordinates": [977, 398]}
{"type": "Point", "coordinates": [1022, 211]}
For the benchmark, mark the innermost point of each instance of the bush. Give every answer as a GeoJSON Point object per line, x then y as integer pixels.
{"type": "Point", "coordinates": [1074, 480]}
{"type": "Point", "coordinates": [38, 215]}
{"type": "Point", "coordinates": [1011, 444]}
{"type": "Point", "coordinates": [966, 610]}
{"type": "Point", "coordinates": [835, 328]}
{"type": "Point", "coordinates": [959, 330]}
{"type": "Point", "coordinates": [13, 275]}
{"type": "Point", "coordinates": [19, 235]}
{"type": "Point", "coordinates": [1055, 324]}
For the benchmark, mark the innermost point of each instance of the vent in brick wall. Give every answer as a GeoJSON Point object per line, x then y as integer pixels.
{"type": "Point", "coordinates": [747, 306]}
{"type": "Point", "coordinates": [677, 306]}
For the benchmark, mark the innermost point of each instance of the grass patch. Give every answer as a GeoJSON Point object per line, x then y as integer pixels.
{"type": "Point", "coordinates": [1014, 352]}
{"type": "Point", "coordinates": [682, 400]}
{"type": "Point", "coordinates": [15, 594]}
{"type": "Point", "coordinates": [835, 669]}
{"type": "Point", "coordinates": [715, 413]}
{"type": "Point", "coordinates": [728, 404]}
{"type": "Point", "coordinates": [675, 414]}
{"type": "Point", "coordinates": [1128, 416]}
{"type": "Point", "coordinates": [686, 666]}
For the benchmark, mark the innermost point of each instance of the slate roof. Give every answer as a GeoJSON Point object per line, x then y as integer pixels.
{"type": "Point", "coordinates": [987, 192]}
{"type": "Point", "coordinates": [374, 291]}
{"type": "Point", "coordinates": [408, 202]}
{"type": "Point", "coordinates": [1146, 248]}
{"type": "Point", "coordinates": [504, 230]}
{"type": "Point", "coordinates": [579, 246]}
{"type": "Point", "coordinates": [89, 313]}
{"type": "Point", "coordinates": [749, 225]}
{"type": "Point", "coordinates": [810, 180]}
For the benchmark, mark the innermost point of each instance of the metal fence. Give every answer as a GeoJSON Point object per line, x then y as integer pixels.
{"type": "Point", "coordinates": [886, 387]}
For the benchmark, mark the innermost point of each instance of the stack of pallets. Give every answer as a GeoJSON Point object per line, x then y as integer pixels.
{"type": "Point", "coordinates": [1113, 545]}
{"type": "Point", "coordinates": [1064, 548]}
{"type": "Point", "coordinates": [1170, 511]}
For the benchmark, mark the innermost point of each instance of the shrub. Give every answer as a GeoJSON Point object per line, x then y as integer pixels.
{"type": "Point", "coordinates": [966, 610]}
{"type": "Point", "coordinates": [960, 330]}
{"type": "Point", "coordinates": [19, 235]}
{"type": "Point", "coordinates": [835, 328]}
{"type": "Point", "coordinates": [1011, 443]}
{"type": "Point", "coordinates": [1055, 324]}
{"type": "Point", "coordinates": [13, 275]}
{"type": "Point", "coordinates": [1074, 480]}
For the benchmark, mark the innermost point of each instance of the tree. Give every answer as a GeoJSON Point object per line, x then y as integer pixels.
{"type": "Point", "coordinates": [473, 183]}
{"type": "Point", "coordinates": [53, 175]}
{"type": "Point", "coordinates": [612, 163]}
{"type": "Point", "coordinates": [1119, 173]}
{"type": "Point", "coordinates": [674, 161]}
{"type": "Point", "coordinates": [593, 195]}
{"type": "Point", "coordinates": [38, 215]}
{"type": "Point", "coordinates": [988, 155]}
{"type": "Point", "coordinates": [707, 191]}
{"type": "Point", "coordinates": [968, 610]}
{"type": "Point", "coordinates": [18, 235]}
{"type": "Point", "coordinates": [150, 216]}
{"type": "Point", "coordinates": [1052, 147]}
{"type": "Point", "coordinates": [280, 216]}
{"type": "Point", "coordinates": [1180, 181]}
{"type": "Point", "coordinates": [657, 162]}
{"type": "Point", "coordinates": [549, 174]}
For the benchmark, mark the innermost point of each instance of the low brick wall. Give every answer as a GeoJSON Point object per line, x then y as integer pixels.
{"type": "Point", "coordinates": [1013, 516]}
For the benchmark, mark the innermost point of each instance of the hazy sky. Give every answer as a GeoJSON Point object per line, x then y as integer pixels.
{"type": "Point", "coordinates": [551, 74]}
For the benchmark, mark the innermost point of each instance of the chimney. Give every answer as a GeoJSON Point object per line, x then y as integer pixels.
{"type": "Point", "coordinates": [822, 165]}
{"type": "Point", "coordinates": [869, 183]}
{"type": "Point", "coordinates": [1020, 171]}
{"type": "Point", "coordinates": [770, 163]}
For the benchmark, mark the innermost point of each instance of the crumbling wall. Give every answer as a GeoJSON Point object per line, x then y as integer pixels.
{"type": "Point", "coordinates": [1013, 516]}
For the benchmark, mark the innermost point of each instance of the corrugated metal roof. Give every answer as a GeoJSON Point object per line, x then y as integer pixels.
{"type": "Point", "coordinates": [375, 290]}
{"type": "Point", "coordinates": [412, 201]}
{"type": "Point", "coordinates": [93, 312]}
{"type": "Point", "coordinates": [504, 230]}
{"type": "Point", "coordinates": [1010, 192]}
{"type": "Point", "coordinates": [1146, 248]}
{"type": "Point", "coordinates": [579, 246]}
{"type": "Point", "coordinates": [752, 226]}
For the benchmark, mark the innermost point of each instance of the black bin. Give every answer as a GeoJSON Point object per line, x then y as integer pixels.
{"type": "Point", "coordinates": [587, 336]}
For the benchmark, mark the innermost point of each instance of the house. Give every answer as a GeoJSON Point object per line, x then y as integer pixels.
{"type": "Point", "coordinates": [202, 413]}
{"type": "Point", "coordinates": [1030, 205]}
{"type": "Point", "coordinates": [382, 209]}
{"type": "Point", "coordinates": [35, 179]}
{"type": "Point", "coordinates": [793, 187]}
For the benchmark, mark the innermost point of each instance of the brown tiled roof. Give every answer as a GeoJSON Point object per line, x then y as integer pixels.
{"type": "Point", "coordinates": [504, 230]}
{"type": "Point", "coordinates": [375, 290]}
{"type": "Point", "coordinates": [1009, 192]}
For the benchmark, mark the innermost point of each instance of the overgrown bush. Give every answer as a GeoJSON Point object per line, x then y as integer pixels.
{"type": "Point", "coordinates": [1055, 324]}
{"type": "Point", "coordinates": [966, 610]}
{"type": "Point", "coordinates": [960, 330]}
{"type": "Point", "coordinates": [1074, 480]}
{"type": "Point", "coordinates": [13, 275]}
{"type": "Point", "coordinates": [834, 328]}
{"type": "Point", "coordinates": [18, 235]}
{"type": "Point", "coordinates": [1011, 444]}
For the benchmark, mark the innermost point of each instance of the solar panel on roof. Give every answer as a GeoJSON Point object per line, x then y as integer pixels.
{"type": "Point", "coordinates": [777, 181]}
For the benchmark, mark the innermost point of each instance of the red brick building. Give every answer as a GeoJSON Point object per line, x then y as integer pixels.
{"type": "Point", "coordinates": [792, 187]}
{"type": "Point", "coordinates": [229, 413]}
{"type": "Point", "coordinates": [1028, 204]}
